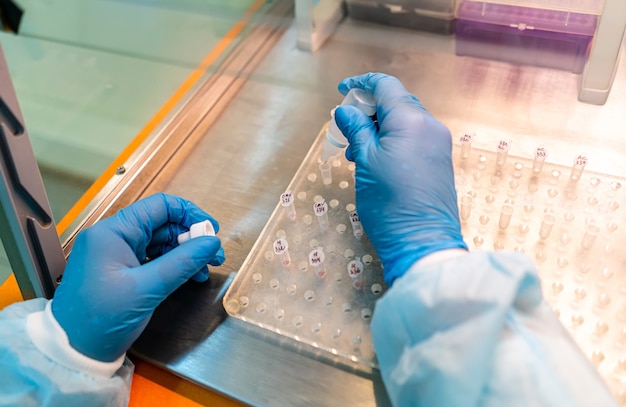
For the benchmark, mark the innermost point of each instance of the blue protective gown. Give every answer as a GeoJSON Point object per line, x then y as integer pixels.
{"type": "Point", "coordinates": [468, 330]}
{"type": "Point", "coordinates": [473, 330]}
{"type": "Point", "coordinates": [38, 367]}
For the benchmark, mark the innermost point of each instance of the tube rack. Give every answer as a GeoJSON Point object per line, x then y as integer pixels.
{"type": "Point", "coordinates": [571, 221]}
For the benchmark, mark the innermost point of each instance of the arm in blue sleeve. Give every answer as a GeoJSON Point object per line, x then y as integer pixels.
{"type": "Point", "coordinates": [38, 367]}
{"type": "Point", "coordinates": [473, 330]}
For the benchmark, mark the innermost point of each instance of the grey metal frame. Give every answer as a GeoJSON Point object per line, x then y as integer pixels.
{"type": "Point", "coordinates": [601, 66]}
{"type": "Point", "coordinates": [28, 230]}
{"type": "Point", "coordinates": [316, 23]}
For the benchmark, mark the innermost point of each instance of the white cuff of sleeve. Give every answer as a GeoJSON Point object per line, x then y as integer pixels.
{"type": "Point", "coordinates": [51, 340]}
{"type": "Point", "coordinates": [437, 257]}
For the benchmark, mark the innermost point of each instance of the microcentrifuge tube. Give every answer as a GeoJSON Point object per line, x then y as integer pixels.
{"type": "Point", "coordinates": [197, 229]}
{"type": "Point", "coordinates": [539, 160]}
{"type": "Point", "coordinates": [579, 165]}
{"type": "Point", "coordinates": [327, 177]}
{"type": "Point", "coordinates": [466, 206]}
{"type": "Point", "coordinates": [321, 211]}
{"type": "Point", "coordinates": [355, 270]}
{"type": "Point", "coordinates": [466, 145]}
{"type": "Point", "coordinates": [335, 140]}
{"type": "Point", "coordinates": [316, 260]}
{"type": "Point", "coordinates": [281, 249]}
{"type": "Point", "coordinates": [355, 221]}
{"type": "Point", "coordinates": [546, 225]}
{"type": "Point", "coordinates": [505, 215]}
{"type": "Point", "coordinates": [286, 200]}
{"type": "Point", "coordinates": [502, 151]}
{"type": "Point", "coordinates": [590, 235]}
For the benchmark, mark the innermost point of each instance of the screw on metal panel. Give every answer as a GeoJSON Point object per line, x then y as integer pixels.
{"type": "Point", "coordinates": [120, 170]}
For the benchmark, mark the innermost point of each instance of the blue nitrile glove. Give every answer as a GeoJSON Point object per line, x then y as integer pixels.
{"type": "Point", "coordinates": [405, 192]}
{"type": "Point", "coordinates": [110, 290]}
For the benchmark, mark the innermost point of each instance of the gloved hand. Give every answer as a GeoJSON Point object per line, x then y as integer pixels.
{"type": "Point", "coordinates": [405, 192]}
{"type": "Point", "coordinates": [110, 290]}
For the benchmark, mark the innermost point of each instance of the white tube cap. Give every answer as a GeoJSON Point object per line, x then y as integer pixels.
{"type": "Point", "coordinates": [197, 229]}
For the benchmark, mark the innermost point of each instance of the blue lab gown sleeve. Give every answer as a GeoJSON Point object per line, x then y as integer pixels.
{"type": "Point", "coordinates": [38, 367]}
{"type": "Point", "coordinates": [473, 330]}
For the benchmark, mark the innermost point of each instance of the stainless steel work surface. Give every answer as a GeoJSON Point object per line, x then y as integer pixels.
{"type": "Point", "coordinates": [248, 156]}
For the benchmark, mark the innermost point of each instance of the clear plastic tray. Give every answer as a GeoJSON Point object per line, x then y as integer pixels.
{"type": "Point", "coordinates": [420, 6]}
{"type": "Point", "coordinates": [530, 36]}
{"type": "Point", "coordinates": [425, 15]}
{"type": "Point", "coordinates": [325, 313]}
{"type": "Point", "coordinates": [522, 18]}
{"type": "Point", "coordinates": [571, 221]}
{"type": "Point", "coordinates": [580, 6]}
